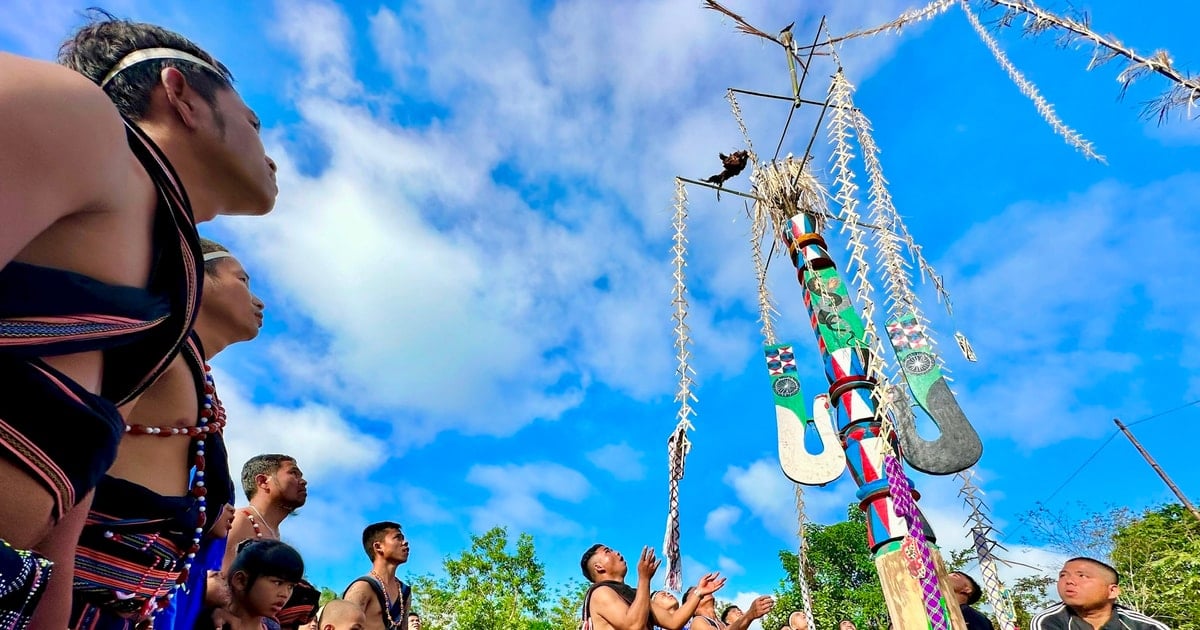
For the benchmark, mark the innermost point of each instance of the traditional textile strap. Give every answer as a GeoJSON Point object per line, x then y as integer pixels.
{"type": "Point", "coordinates": [678, 444]}
{"type": "Point", "coordinates": [926, 574]}
{"type": "Point", "coordinates": [802, 559]}
{"type": "Point", "coordinates": [677, 448]}
{"type": "Point", "coordinates": [23, 579]}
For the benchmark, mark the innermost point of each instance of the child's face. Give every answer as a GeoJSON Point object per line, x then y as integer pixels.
{"type": "Point", "coordinates": [268, 595]}
{"type": "Point", "coordinates": [217, 593]}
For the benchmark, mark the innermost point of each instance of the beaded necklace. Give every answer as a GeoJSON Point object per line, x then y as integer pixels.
{"type": "Point", "coordinates": [211, 420]}
{"type": "Point", "coordinates": [254, 523]}
{"type": "Point", "coordinates": [387, 601]}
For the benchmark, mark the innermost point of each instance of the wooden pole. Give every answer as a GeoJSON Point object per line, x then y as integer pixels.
{"type": "Point", "coordinates": [1161, 473]}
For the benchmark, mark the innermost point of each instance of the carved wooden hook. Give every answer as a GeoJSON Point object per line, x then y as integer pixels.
{"type": "Point", "coordinates": [958, 446]}
{"type": "Point", "coordinates": [791, 419]}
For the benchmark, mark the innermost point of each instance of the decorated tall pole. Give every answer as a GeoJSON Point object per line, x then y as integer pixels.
{"type": "Point", "coordinates": [915, 599]}
{"type": "Point", "coordinates": [845, 418]}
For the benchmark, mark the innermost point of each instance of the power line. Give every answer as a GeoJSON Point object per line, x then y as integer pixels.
{"type": "Point", "coordinates": [1097, 452]}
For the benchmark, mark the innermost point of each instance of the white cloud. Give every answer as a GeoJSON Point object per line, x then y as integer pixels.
{"type": "Point", "coordinates": [325, 445]}
{"type": "Point", "coordinates": [622, 460]}
{"type": "Point", "coordinates": [729, 567]}
{"type": "Point", "coordinates": [1083, 289]}
{"type": "Point", "coordinates": [770, 497]}
{"type": "Point", "coordinates": [718, 525]}
{"type": "Point", "coordinates": [445, 295]}
{"type": "Point", "coordinates": [516, 496]}
{"type": "Point", "coordinates": [319, 33]}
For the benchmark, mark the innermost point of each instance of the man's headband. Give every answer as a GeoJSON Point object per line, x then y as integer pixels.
{"type": "Point", "coordinates": [147, 54]}
{"type": "Point", "coordinates": [211, 256]}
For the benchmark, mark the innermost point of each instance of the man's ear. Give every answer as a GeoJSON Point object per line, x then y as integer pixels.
{"type": "Point", "coordinates": [261, 479]}
{"type": "Point", "coordinates": [181, 98]}
{"type": "Point", "coordinates": [1114, 591]}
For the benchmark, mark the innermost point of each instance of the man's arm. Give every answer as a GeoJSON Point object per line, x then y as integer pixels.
{"type": "Point", "coordinates": [710, 583]}
{"type": "Point", "coordinates": [362, 595]}
{"type": "Point", "coordinates": [60, 141]}
{"type": "Point", "coordinates": [756, 610]}
{"type": "Point", "coordinates": [242, 529]}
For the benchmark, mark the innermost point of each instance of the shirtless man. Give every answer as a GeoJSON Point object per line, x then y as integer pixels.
{"type": "Point", "coordinates": [275, 487]}
{"type": "Point", "coordinates": [706, 613]}
{"type": "Point", "coordinates": [610, 604]}
{"type": "Point", "coordinates": [385, 599]}
{"type": "Point", "coordinates": [147, 510]}
{"type": "Point", "coordinates": [95, 219]}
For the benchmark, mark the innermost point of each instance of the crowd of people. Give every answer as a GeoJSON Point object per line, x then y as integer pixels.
{"type": "Point", "coordinates": [116, 495]}
{"type": "Point", "coordinates": [1088, 589]}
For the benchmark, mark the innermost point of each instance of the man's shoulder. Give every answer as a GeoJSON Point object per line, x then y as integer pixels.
{"type": "Point", "coordinates": [1137, 620]}
{"type": "Point", "coordinates": [1053, 618]}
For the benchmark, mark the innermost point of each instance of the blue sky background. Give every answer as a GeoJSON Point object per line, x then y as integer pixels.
{"type": "Point", "coordinates": [468, 274]}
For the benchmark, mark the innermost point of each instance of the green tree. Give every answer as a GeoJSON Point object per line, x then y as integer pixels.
{"type": "Point", "coordinates": [1158, 556]}
{"type": "Point", "coordinates": [841, 576]}
{"type": "Point", "coordinates": [487, 587]}
{"type": "Point", "coordinates": [327, 595]}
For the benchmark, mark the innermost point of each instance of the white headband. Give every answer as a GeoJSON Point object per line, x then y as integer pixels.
{"type": "Point", "coordinates": [211, 256]}
{"type": "Point", "coordinates": [146, 54]}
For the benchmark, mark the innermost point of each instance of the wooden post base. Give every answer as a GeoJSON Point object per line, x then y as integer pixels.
{"type": "Point", "coordinates": [903, 592]}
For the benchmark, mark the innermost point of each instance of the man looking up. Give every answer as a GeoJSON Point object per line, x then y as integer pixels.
{"type": "Point", "coordinates": [384, 598]}
{"type": "Point", "coordinates": [147, 511]}
{"type": "Point", "coordinates": [1089, 589]}
{"type": "Point", "coordinates": [967, 593]}
{"type": "Point", "coordinates": [104, 177]}
{"type": "Point", "coordinates": [275, 487]}
{"type": "Point", "coordinates": [610, 604]}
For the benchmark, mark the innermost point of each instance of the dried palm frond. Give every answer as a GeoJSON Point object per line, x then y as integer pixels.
{"type": "Point", "coordinates": [1184, 93]}
{"type": "Point", "coordinates": [1030, 90]}
{"type": "Point", "coordinates": [911, 16]}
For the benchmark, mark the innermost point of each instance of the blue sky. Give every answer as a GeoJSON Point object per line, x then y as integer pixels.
{"type": "Point", "coordinates": [468, 274]}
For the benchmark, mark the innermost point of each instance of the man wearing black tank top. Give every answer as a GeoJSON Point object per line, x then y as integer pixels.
{"type": "Point", "coordinates": [611, 604]}
{"type": "Point", "coordinates": [385, 599]}
{"type": "Point", "coordinates": [102, 209]}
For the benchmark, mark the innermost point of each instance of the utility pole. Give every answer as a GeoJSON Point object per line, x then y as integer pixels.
{"type": "Point", "coordinates": [1153, 464]}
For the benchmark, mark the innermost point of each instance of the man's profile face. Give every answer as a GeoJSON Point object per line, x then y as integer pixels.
{"type": "Point", "coordinates": [414, 622]}
{"type": "Point", "coordinates": [610, 560]}
{"type": "Point", "coordinates": [960, 586]}
{"type": "Point", "coordinates": [797, 621]}
{"type": "Point", "coordinates": [292, 488]}
{"type": "Point", "coordinates": [734, 614]}
{"type": "Point", "coordinates": [667, 600]}
{"type": "Point", "coordinates": [847, 625]}
{"type": "Point", "coordinates": [1083, 584]}
{"type": "Point", "coordinates": [246, 175]}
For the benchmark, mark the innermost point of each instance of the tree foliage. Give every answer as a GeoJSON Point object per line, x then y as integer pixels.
{"type": "Point", "coordinates": [487, 587]}
{"type": "Point", "coordinates": [841, 576]}
{"type": "Point", "coordinates": [1158, 556]}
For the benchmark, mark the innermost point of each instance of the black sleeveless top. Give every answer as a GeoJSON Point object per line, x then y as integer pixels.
{"type": "Point", "coordinates": [49, 312]}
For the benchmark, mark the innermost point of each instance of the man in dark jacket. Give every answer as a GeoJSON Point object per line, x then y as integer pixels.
{"type": "Point", "coordinates": [1089, 590]}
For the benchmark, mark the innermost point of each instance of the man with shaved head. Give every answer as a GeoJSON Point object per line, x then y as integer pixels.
{"type": "Point", "coordinates": [1089, 589]}
{"type": "Point", "coordinates": [340, 614]}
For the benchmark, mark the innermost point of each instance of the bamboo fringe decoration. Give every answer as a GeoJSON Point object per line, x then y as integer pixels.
{"type": "Point", "coordinates": [1030, 90]}
{"type": "Point", "coordinates": [802, 558]}
{"type": "Point", "coordinates": [898, 280]}
{"type": "Point", "coordinates": [911, 16]}
{"type": "Point", "coordinates": [766, 306]}
{"type": "Point", "coordinates": [736, 109]}
{"type": "Point", "coordinates": [847, 197]}
{"type": "Point", "coordinates": [984, 543]}
{"type": "Point", "coordinates": [1185, 92]}
{"type": "Point", "coordinates": [678, 444]}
